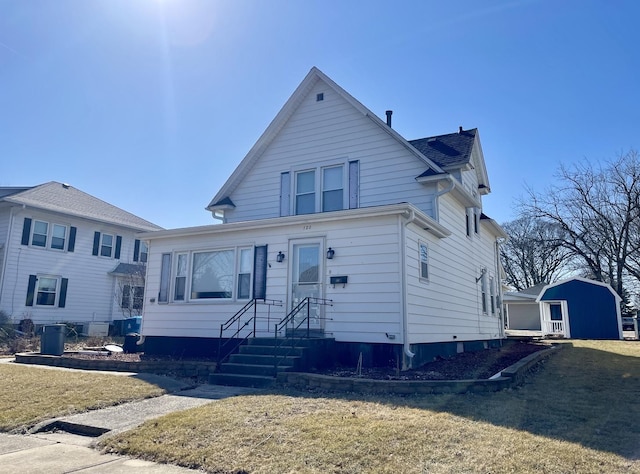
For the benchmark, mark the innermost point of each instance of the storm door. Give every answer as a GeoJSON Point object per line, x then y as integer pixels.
{"type": "Point", "coordinates": [306, 280]}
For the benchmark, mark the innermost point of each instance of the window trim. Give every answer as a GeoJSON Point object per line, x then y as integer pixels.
{"type": "Point", "coordinates": [34, 233]}
{"type": "Point", "coordinates": [347, 167]}
{"type": "Point", "coordinates": [188, 298]}
{"type": "Point", "coordinates": [103, 246]}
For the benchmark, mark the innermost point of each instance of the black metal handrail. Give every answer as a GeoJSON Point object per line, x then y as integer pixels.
{"type": "Point", "coordinates": [234, 341]}
{"type": "Point", "coordinates": [290, 319]}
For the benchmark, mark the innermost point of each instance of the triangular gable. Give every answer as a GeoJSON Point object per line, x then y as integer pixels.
{"type": "Point", "coordinates": [278, 123]}
{"type": "Point", "coordinates": [584, 280]}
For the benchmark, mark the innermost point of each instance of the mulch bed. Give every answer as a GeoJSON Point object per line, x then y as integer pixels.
{"type": "Point", "coordinates": [468, 365]}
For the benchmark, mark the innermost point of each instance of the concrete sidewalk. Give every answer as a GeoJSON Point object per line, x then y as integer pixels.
{"type": "Point", "coordinates": [64, 445]}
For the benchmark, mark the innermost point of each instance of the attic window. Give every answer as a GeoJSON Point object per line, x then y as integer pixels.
{"type": "Point", "coordinates": [320, 97]}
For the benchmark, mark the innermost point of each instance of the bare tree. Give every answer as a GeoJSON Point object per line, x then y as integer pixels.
{"type": "Point", "coordinates": [534, 253]}
{"type": "Point", "coordinates": [129, 293]}
{"type": "Point", "coordinates": [597, 208]}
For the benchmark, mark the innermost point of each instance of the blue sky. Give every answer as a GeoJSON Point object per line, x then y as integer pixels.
{"type": "Point", "coordinates": [151, 104]}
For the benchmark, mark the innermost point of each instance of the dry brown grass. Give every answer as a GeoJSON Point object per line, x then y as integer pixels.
{"type": "Point", "coordinates": [33, 394]}
{"type": "Point", "coordinates": [578, 414]}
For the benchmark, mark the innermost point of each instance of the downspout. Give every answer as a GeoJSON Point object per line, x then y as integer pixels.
{"type": "Point", "coordinates": [499, 281]}
{"type": "Point", "coordinates": [403, 286]}
{"type": "Point", "coordinates": [452, 184]}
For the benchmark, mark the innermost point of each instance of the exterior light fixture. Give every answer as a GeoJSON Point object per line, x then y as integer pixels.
{"type": "Point", "coordinates": [330, 253]}
{"type": "Point", "coordinates": [280, 257]}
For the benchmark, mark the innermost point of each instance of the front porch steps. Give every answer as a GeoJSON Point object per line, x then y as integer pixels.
{"type": "Point", "coordinates": [255, 363]}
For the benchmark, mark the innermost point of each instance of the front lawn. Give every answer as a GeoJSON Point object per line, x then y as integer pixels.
{"type": "Point", "coordinates": [29, 395]}
{"type": "Point", "coordinates": [578, 413]}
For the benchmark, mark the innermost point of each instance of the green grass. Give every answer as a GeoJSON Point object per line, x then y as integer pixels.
{"type": "Point", "coordinates": [33, 394]}
{"type": "Point", "coordinates": [578, 413]}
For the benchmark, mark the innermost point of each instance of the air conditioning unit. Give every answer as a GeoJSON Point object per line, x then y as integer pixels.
{"type": "Point", "coordinates": [95, 329]}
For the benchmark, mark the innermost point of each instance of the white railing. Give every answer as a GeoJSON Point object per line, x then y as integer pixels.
{"type": "Point", "coordinates": [554, 327]}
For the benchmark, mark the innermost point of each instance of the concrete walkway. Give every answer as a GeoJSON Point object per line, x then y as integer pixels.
{"type": "Point", "coordinates": [64, 445]}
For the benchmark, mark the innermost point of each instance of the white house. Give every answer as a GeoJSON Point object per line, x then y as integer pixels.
{"type": "Point", "coordinates": [66, 256]}
{"type": "Point", "coordinates": [385, 236]}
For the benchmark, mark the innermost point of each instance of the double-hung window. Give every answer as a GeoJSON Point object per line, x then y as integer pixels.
{"type": "Point", "coordinates": [106, 245]}
{"type": "Point", "coordinates": [305, 192]}
{"type": "Point", "coordinates": [40, 232]}
{"type": "Point", "coordinates": [245, 266]}
{"type": "Point", "coordinates": [47, 290]}
{"type": "Point", "coordinates": [332, 189]}
{"type": "Point", "coordinates": [58, 236]}
{"type": "Point", "coordinates": [180, 285]}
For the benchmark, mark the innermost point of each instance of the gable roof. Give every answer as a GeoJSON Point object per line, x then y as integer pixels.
{"type": "Point", "coordinates": [65, 199]}
{"type": "Point", "coordinates": [280, 121]}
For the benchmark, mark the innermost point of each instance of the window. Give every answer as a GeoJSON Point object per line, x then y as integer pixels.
{"type": "Point", "coordinates": [132, 297]}
{"type": "Point", "coordinates": [47, 290]}
{"type": "Point", "coordinates": [140, 251]}
{"type": "Point", "coordinates": [476, 220]}
{"type": "Point", "coordinates": [332, 189]}
{"type": "Point", "coordinates": [46, 295]}
{"type": "Point", "coordinates": [58, 236]}
{"type": "Point", "coordinates": [483, 287]}
{"type": "Point", "coordinates": [144, 252]}
{"type": "Point", "coordinates": [306, 192]}
{"type": "Point", "coordinates": [40, 232]}
{"type": "Point", "coordinates": [165, 275]}
{"type": "Point", "coordinates": [468, 217]}
{"type": "Point", "coordinates": [46, 235]}
{"type": "Point", "coordinates": [212, 274]}
{"type": "Point", "coordinates": [106, 245]}
{"type": "Point", "coordinates": [181, 278]}
{"type": "Point", "coordinates": [424, 261]}
{"type": "Point", "coordinates": [244, 274]}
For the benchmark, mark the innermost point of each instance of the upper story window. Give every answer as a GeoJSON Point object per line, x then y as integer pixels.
{"type": "Point", "coordinates": [40, 232]}
{"type": "Point", "coordinates": [321, 189]}
{"type": "Point", "coordinates": [305, 192]}
{"type": "Point", "coordinates": [37, 233]}
{"type": "Point", "coordinates": [140, 251]}
{"type": "Point", "coordinates": [332, 189]}
{"type": "Point", "coordinates": [107, 245]}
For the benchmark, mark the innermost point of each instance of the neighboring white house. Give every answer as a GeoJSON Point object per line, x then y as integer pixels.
{"type": "Point", "coordinates": [333, 204]}
{"type": "Point", "coordinates": [66, 256]}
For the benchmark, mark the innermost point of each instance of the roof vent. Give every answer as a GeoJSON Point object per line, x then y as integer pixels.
{"type": "Point", "coordinates": [389, 112]}
{"type": "Point", "coordinates": [460, 129]}
{"type": "Point", "coordinates": [66, 185]}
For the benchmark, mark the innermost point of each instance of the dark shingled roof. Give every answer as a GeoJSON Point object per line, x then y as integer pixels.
{"type": "Point", "coordinates": [224, 202]}
{"type": "Point", "coordinates": [129, 269]}
{"type": "Point", "coordinates": [450, 150]}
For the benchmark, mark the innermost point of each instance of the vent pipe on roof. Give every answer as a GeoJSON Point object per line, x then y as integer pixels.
{"type": "Point", "coordinates": [389, 112]}
{"type": "Point", "coordinates": [460, 129]}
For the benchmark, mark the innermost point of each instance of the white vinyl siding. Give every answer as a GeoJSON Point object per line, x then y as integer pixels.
{"type": "Point", "coordinates": [318, 133]}
{"type": "Point", "coordinates": [91, 294]}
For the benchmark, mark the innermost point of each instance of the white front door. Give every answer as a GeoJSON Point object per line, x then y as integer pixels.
{"type": "Point", "coordinates": [306, 280]}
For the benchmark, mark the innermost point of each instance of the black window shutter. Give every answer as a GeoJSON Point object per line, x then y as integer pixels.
{"type": "Point", "coordinates": [31, 289]}
{"type": "Point", "coordinates": [26, 231]}
{"type": "Point", "coordinates": [64, 282]}
{"type": "Point", "coordinates": [136, 250]}
{"type": "Point", "coordinates": [96, 243]}
{"type": "Point", "coordinates": [72, 239]}
{"type": "Point", "coordinates": [260, 272]}
{"type": "Point", "coordinates": [118, 246]}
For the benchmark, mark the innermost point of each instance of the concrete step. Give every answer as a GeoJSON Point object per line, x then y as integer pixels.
{"type": "Point", "coordinates": [270, 350]}
{"type": "Point", "coordinates": [237, 380]}
{"type": "Point", "coordinates": [258, 359]}
{"type": "Point", "coordinates": [248, 369]}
